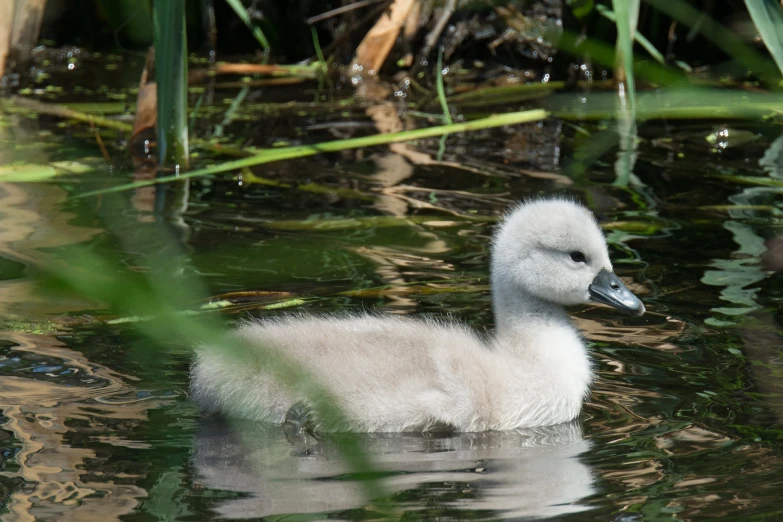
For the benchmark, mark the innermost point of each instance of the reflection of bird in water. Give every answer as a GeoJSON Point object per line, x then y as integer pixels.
{"type": "Point", "coordinates": [396, 374]}
{"type": "Point", "coordinates": [513, 474]}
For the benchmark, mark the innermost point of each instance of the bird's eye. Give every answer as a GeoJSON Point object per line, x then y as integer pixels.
{"type": "Point", "coordinates": [578, 257]}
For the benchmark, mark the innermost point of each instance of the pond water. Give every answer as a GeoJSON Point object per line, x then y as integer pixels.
{"type": "Point", "coordinates": [684, 422]}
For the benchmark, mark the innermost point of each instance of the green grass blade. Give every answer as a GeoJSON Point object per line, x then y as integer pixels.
{"type": "Point", "coordinates": [626, 20]}
{"type": "Point", "coordinates": [231, 112]}
{"type": "Point", "coordinates": [20, 104]}
{"type": "Point", "coordinates": [271, 155]}
{"type": "Point", "coordinates": [318, 51]}
{"type": "Point", "coordinates": [604, 54]}
{"type": "Point", "coordinates": [32, 172]}
{"type": "Point", "coordinates": [441, 90]}
{"type": "Point", "coordinates": [768, 18]}
{"type": "Point", "coordinates": [638, 37]}
{"type": "Point", "coordinates": [722, 37]}
{"type": "Point", "coordinates": [626, 14]}
{"type": "Point", "coordinates": [708, 104]}
{"type": "Point", "coordinates": [241, 12]}
{"type": "Point", "coordinates": [171, 74]}
{"type": "Point", "coordinates": [321, 63]}
{"type": "Point", "coordinates": [515, 93]}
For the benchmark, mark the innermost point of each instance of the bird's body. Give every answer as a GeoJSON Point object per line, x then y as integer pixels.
{"type": "Point", "coordinates": [433, 374]}
{"type": "Point", "coordinates": [390, 374]}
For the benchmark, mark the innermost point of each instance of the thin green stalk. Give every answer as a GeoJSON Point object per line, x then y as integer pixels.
{"type": "Point", "coordinates": [241, 12]}
{"type": "Point", "coordinates": [515, 93]}
{"type": "Point", "coordinates": [271, 155]}
{"type": "Point", "coordinates": [18, 103]}
{"type": "Point", "coordinates": [604, 54]}
{"type": "Point", "coordinates": [673, 104]}
{"type": "Point", "coordinates": [194, 113]}
{"type": "Point", "coordinates": [231, 112]}
{"type": "Point", "coordinates": [441, 91]}
{"type": "Point", "coordinates": [171, 73]}
{"type": "Point", "coordinates": [637, 36]}
{"type": "Point", "coordinates": [318, 52]}
{"type": "Point", "coordinates": [626, 13]}
{"type": "Point", "coordinates": [730, 43]}
{"type": "Point", "coordinates": [444, 105]}
{"type": "Point", "coordinates": [626, 18]}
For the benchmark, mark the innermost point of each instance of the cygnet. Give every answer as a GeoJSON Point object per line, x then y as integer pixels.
{"type": "Point", "coordinates": [392, 374]}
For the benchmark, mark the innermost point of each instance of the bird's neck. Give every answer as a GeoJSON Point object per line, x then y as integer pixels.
{"type": "Point", "coordinates": [541, 350]}
{"type": "Point", "coordinates": [533, 329]}
{"type": "Point", "coordinates": [520, 313]}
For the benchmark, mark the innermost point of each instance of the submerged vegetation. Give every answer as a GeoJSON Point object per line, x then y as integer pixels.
{"type": "Point", "coordinates": [218, 115]}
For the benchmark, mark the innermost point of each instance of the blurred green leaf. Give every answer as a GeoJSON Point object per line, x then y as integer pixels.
{"type": "Point", "coordinates": [581, 8]}
{"type": "Point", "coordinates": [768, 17]}
{"type": "Point", "coordinates": [721, 36]}
{"type": "Point", "coordinates": [162, 294]}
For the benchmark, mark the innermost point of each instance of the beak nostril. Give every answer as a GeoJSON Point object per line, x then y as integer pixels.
{"type": "Point", "coordinates": [609, 289]}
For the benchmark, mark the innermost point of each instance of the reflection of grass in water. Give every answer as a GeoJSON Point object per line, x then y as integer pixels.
{"type": "Point", "coordinates": [737, 274]}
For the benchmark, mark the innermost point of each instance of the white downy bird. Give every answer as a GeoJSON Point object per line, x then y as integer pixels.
{"type": "Point", "coordinates": [391, 374]}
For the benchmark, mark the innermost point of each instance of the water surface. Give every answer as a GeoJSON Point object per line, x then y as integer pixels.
{"type": "Point", "coordinates": [684, 422]}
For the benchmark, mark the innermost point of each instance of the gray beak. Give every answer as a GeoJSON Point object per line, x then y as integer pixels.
{"type": "Point", "coordinates": [608, 289]}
